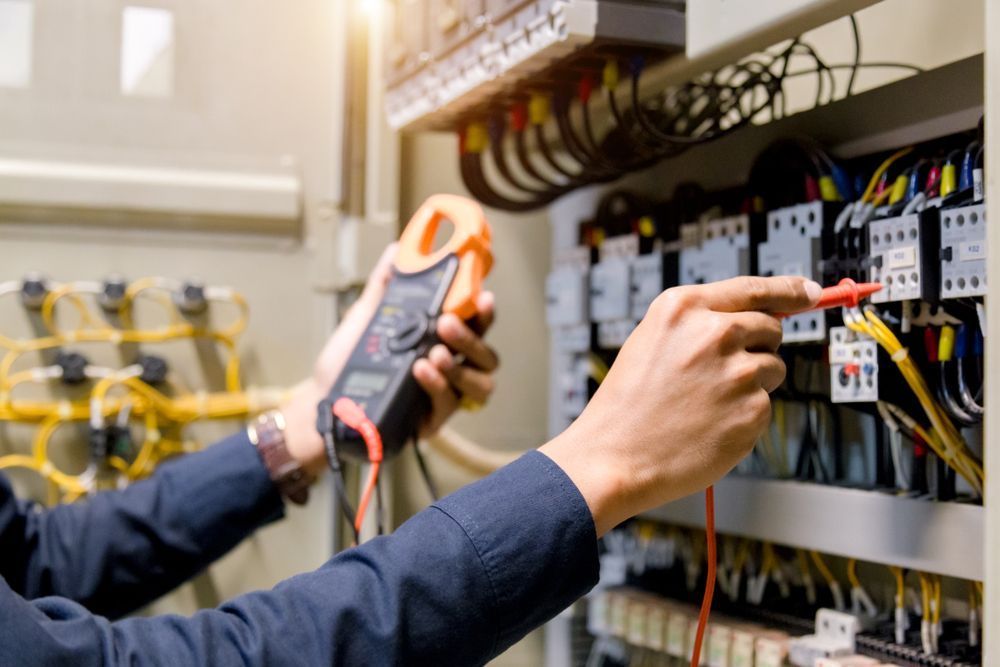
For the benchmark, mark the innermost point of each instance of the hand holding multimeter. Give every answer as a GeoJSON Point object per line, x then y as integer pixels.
{"type": "Point", "coordinates": [376, 405]}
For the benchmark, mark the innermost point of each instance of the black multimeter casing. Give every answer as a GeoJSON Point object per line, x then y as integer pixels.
{"type": "Point", "coordinates": [378, 375]}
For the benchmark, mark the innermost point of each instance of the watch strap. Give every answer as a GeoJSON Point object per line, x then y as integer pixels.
{"type": "Point", "coordinates": [267, 433]}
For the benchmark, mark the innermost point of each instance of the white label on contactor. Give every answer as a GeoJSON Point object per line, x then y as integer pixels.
{"type": "Point", "coordinates": [972, 251]}
{"type": "Point", "coordinates": [902, 258]}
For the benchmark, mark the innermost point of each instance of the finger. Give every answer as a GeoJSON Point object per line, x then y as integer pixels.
{"type": "Point", "coordinates": [770, 370]}
{"type": "Point", "coordinates": [485, 312]}
{"type": "Point", "coordinates": [759, 332]}
{"type": "Point", "coordinates": [780, 294]}
{"type": "Point", "coordinates": [462, 340]}
{"type": "Point", "coordinates": [444, 401]}
{"type": "Point", "coordinates": [465, 382]}
{"type": "Point", "coordinates": [470, 383]}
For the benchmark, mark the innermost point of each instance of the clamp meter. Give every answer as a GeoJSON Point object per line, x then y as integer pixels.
{"type": "Point", "coordinates": [425, 284]}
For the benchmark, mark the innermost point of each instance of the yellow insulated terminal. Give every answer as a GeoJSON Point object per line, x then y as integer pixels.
{"type": "Point", "coordinates": [610, 75]}
{"type": "Point", "coordinates": [538, 109]}
{"type": "Point", "coordinates": [647, 228]}
{"type": "Point", "coordinates": [898, 189]}
{"type": "Point", "coordinates": [949, 179]}
{"type": "Point", "coordinates": [828, 189]}
{"type": "Point", "coordinates": [946, 344]}
{"type": "Point", "coordinates": [476, 138]}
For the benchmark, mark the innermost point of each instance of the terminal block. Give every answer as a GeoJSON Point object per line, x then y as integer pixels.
{"type": "Point", "coordinates": [853, 367]}
{"type": "Point", "coordinates": [448, 59]}
{"type": "Point", "coordinates": [799, 238]}
{"type": "Point", "coordinates": [963, 252]}
{"type": "Point", "coordinates": [904, 256]}
{"type": "Point", "coordinates": [715, 250]}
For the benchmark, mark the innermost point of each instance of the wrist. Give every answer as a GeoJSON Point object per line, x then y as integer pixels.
{"type": "Point", "coordinates": [301, 438]}
{"type": "Point", "coordinates": [603, 484]}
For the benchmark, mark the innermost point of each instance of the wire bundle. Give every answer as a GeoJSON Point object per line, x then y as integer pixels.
{"type": "Point", "coordinates": [162, 415]}
{"type": "Point", "coordinates": [528, 168]}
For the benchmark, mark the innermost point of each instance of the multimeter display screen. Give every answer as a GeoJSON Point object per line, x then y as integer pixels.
{"type": "Point", "coordinates": [365, 382]}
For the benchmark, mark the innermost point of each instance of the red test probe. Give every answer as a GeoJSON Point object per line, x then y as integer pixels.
{"type": "Point", "coordinates": [846, 293]}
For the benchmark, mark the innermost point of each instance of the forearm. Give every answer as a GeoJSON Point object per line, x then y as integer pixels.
{"type": "Point", "coordinates": [122, 549]}
{"type": "Point", "coordinates": [457, 584]}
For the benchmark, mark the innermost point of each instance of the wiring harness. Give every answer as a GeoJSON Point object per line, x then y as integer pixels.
{"type": "Point", "coordinates": [543, 144]}
{"type": "Point", "coordinates": [112, 402]}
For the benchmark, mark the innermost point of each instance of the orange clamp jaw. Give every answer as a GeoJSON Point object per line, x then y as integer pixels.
{"type": "Point", "coordinates": [846, 293]}
{"type": "Point", "coordinates": [470, 242]}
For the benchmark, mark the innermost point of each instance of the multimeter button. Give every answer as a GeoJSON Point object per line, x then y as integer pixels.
{"type": "Point", "coordinates": [410, 330]}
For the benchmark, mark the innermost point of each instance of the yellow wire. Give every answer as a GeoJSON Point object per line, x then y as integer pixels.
{"type": "Point", "coordinates": [823, 569]}
{"type": "Point", "coordinates": [852, 573]}
{"type": "Point", "coordinates": [877, 176]}
{"type": "Point", "coordinates": [897, 573]}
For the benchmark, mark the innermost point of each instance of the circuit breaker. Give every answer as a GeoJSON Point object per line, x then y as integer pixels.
{"type": "Point", "coordinates": [797, 242]}
{"type": "Point", "coordinates": [610, 290]}
{"type": "Point", "coordinates": [567, 292]}
{"type": "Point", "coordinates": [715, 250]}
{"type": "Point", "coordinates": [904, 256]}
{"type": "Point", "coordinates": [963, 252]}
{"type": "Point", "coordinates": [651, 274]}
{"type": "Point", "coordinates": [853, 367]}
{"type": "Point", "coordinates": [449, 58]}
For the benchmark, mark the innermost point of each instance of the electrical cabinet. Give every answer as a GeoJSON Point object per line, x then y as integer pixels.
{"type": "Point", "coordinates": [469, 56]}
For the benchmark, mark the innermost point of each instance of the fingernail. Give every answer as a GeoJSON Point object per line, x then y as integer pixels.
{"type": "Point", "coordinates": [813, 291]}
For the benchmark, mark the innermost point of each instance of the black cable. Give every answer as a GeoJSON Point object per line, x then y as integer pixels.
{"type": "Point", "coordinates": [857, 54]}
{"type": "Point", "coordinates": [379, 507]}
{"type": "Point", "coordinates": [499, 156]}
{"type": "Point", "coordinates": [425, 471]}
{"type": "Point", "coordinates": [336, 466]}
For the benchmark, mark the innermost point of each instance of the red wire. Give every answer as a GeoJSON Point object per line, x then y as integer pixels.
{"type": "Point", "coordinates": [706, 601]}
{"type": "Point", "coordinates": [353, 416]}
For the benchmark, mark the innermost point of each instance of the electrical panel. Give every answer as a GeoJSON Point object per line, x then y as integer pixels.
{"type": "Point", "coordinates": [448, 58]}
{"type": "Point", "coordinates": [715, 250]}
{"type": "Point", "coordinates": [797, 241]}
{"type": "Point", "coordinates": [853, 367]}
{"type": "Point", "coordinates": [904, 257]}
{"type": "Point", "coordinates": [963, 252]}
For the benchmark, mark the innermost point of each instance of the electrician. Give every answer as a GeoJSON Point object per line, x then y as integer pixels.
{"type": "Point", "coordinates": [456, 584]}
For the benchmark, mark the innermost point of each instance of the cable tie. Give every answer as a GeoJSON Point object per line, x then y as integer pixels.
{"type": "Point", "coordinates": [900, 355]}
{"type": "Point", "coordinates": [65, 410]}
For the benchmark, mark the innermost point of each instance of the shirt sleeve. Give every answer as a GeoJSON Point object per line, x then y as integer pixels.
{"type": "Point", "coordinates": [456, 585]}
{"type": "Point", "coordinates": [120, 550]}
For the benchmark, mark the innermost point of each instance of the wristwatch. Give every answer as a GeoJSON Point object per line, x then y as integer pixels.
{"type": "Point", "coordinates": [267, 433]}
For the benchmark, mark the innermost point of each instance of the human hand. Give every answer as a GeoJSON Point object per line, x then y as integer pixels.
{"type": "Point", "coordinates": [686, 398]}
{"type": "Point", "coordinates": [459, 367]}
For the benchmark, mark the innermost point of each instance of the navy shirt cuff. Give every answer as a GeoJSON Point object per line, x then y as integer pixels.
{"type": "Point", "coordinates": [229, 480]}
{"type": "Point", "coordinates": [535, 537]}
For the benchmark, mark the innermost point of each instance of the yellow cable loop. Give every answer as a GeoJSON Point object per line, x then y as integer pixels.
{"type": "Point", "coordinates": [946, 441]}
{"type": "Point", "coordinates": [48, 310]}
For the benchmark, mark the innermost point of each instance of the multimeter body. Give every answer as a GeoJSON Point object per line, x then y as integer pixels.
{"type": "Point", "coordinates": [378, 375]}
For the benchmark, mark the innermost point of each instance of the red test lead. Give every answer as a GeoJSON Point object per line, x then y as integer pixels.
{"type": "Point", "coordinates": [846, 293]}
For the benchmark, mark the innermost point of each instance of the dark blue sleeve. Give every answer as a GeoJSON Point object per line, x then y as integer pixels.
{"type": "Point", "coordinates": [122, 549]}
{"type": "Point", "coordinates": [456, 585]}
